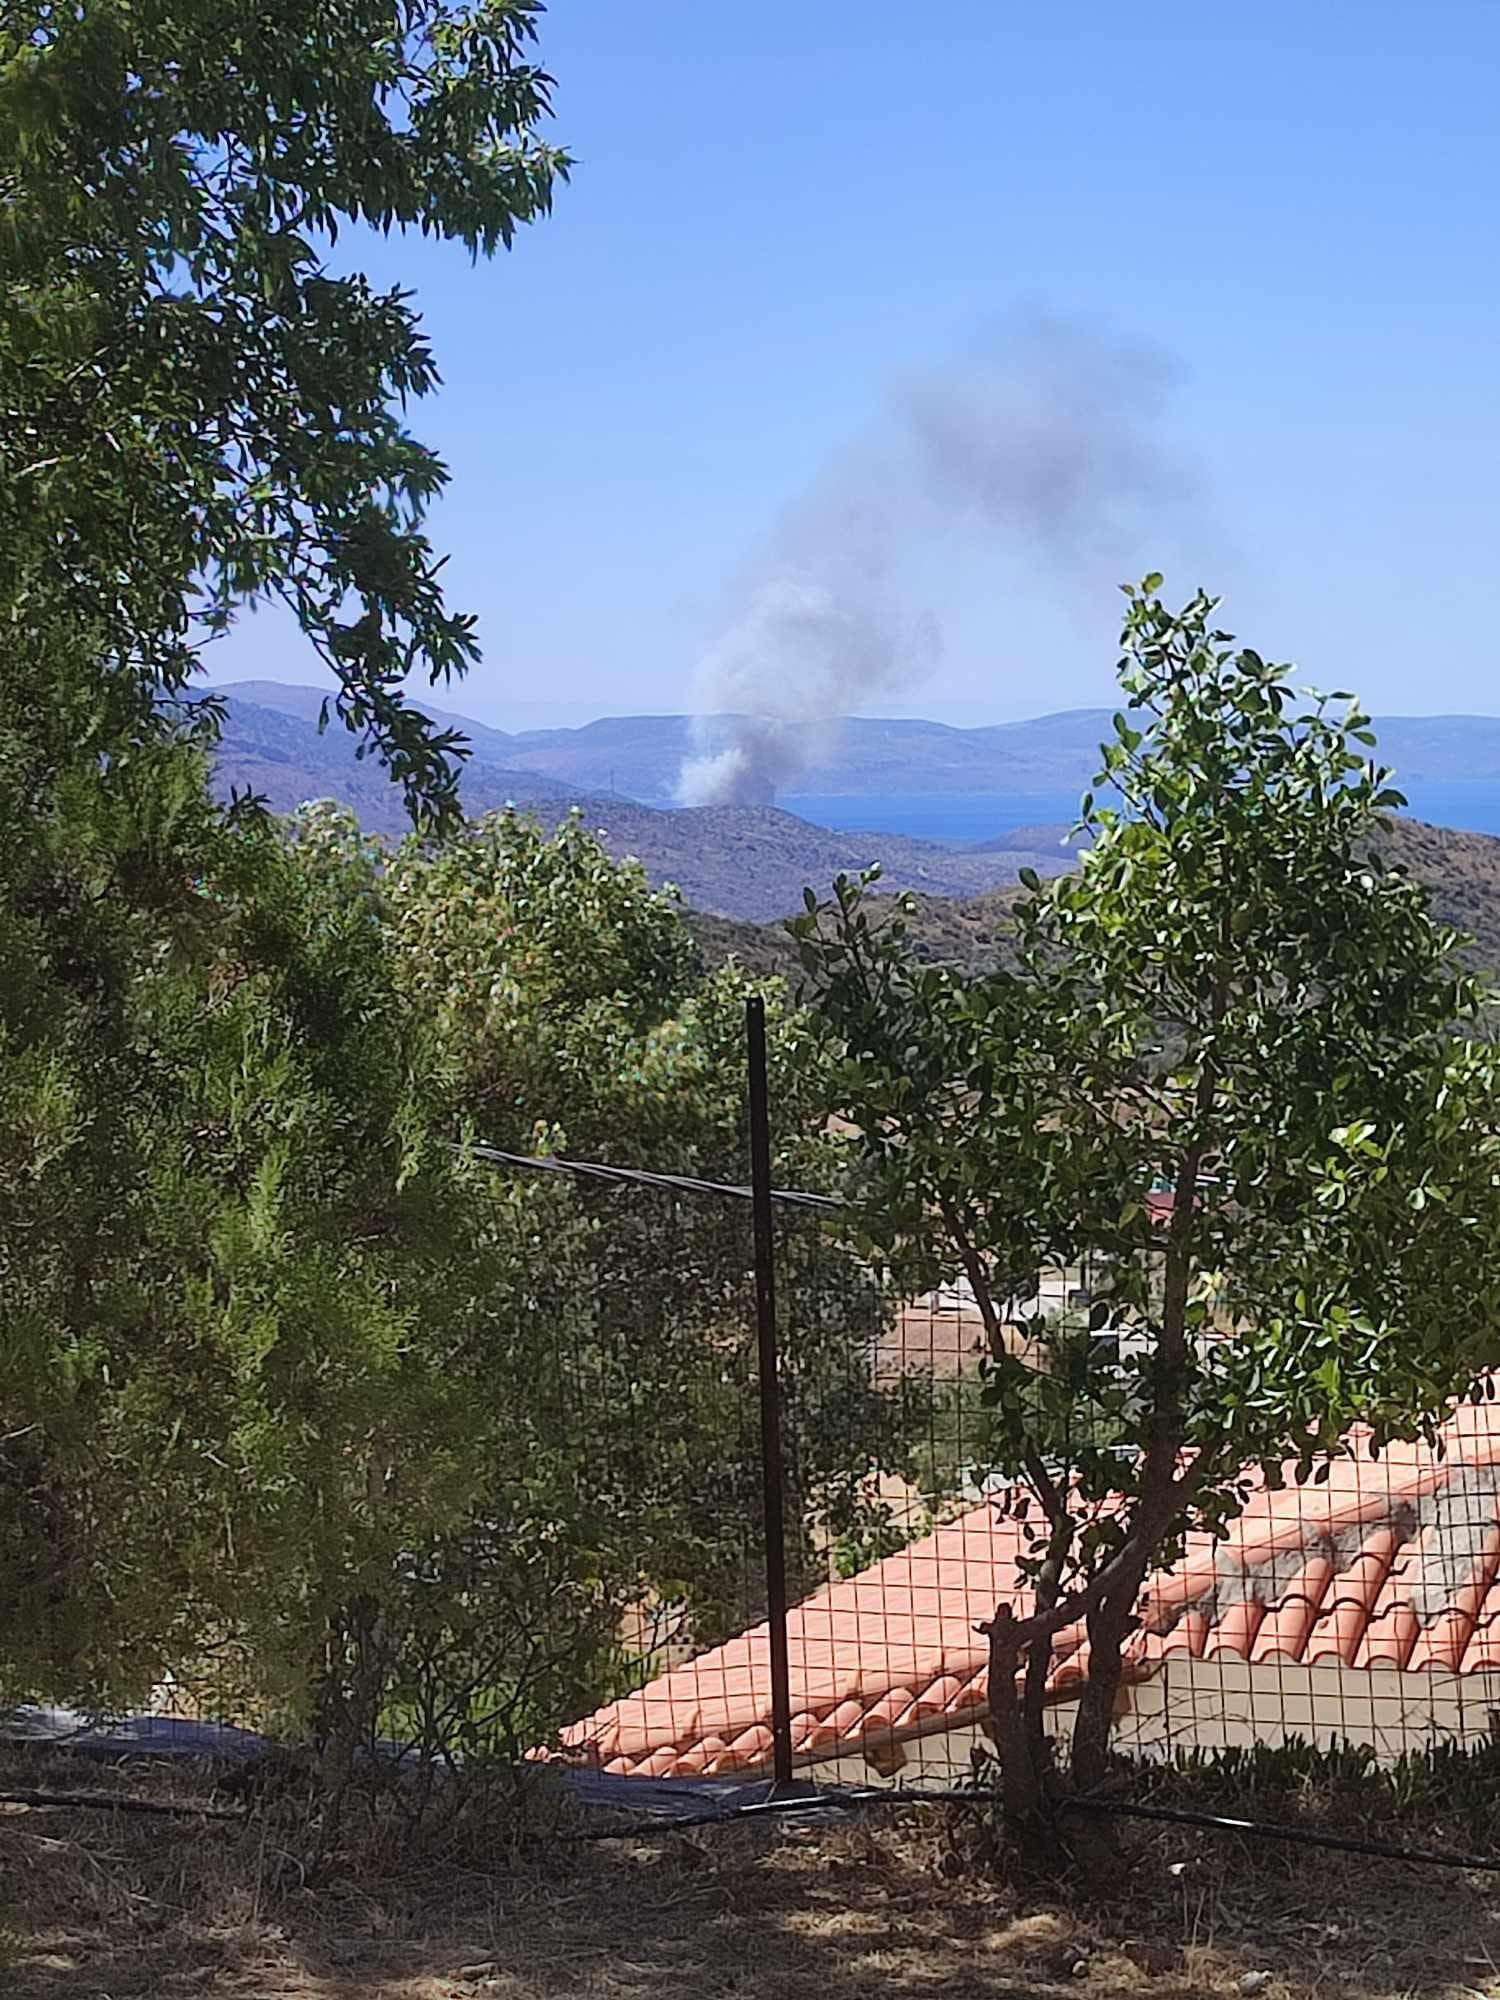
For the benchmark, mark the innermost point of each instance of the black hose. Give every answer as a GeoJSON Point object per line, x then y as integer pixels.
{"type": "Point", "coordinates": [1298, 1836]}
{"type": "Point", "coordinates": [883, 1795]}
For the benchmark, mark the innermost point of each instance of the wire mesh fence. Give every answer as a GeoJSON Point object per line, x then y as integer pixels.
{"type": "Point", "coordinates": [617, 1606]}
{"type": "Point", "coordinates": [897, 1550]}
{"type": "Point", "coordinates": [1358, 1611]}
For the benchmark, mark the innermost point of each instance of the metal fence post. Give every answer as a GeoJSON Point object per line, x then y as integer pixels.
{"type": "Point", "coordinates": [773, 1479]}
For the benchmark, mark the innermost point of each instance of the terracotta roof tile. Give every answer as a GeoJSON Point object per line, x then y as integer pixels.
{"type": "Point", "coordinates": [1290, 1616]}
{"type": "Point", "coordinates": [1392, 1562]}
{"type": "Point", "coordinates": [1236, 1630]}
{"type": "Point", "coordinates": [1482, 1654]}
{"type": "Point", "coordinates": [1346, 1610]}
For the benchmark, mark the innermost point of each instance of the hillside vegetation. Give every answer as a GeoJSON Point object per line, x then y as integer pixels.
{"type": "Point", "coordinates": [1461, 872]}
{"type": "Point", "coordinates": [742, 869]}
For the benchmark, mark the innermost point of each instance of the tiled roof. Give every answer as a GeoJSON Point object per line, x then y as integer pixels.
{"type": "Point", "coordinates": [1391, 1562]}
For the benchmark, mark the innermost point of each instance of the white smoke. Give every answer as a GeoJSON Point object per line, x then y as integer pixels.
{"type": "Point", "coordinates": [803, 648]}
{"type": "Point", "coordinates": [1043, 441]}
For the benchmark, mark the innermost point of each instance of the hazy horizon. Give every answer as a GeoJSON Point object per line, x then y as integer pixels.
{"type": "Point", "coordinates": [451, 702]}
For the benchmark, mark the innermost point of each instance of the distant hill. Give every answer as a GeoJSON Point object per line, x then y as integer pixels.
{"type": "Point", "coordinates": [283, 757]}
{"type": "Point", "coordinates": [640, 755]}
{"type": "Point", "coordinates": [744, 861]}
{"type": "Point", "coordinates": [1461, 873]}
{"type": "Point", "coordinates": [744, 868]}
{"type": "Point", "coordinates": [1050, 838]}
{"type": "Point", "coordinates": [754, 861]}
{"type": "Point", "coordinates": [968, 933]}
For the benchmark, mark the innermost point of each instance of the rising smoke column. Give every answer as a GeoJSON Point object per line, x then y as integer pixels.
{"type": "Point", "coordinates": [1040, 441]}
{"type": "Point", "coordinates": [803, 652]}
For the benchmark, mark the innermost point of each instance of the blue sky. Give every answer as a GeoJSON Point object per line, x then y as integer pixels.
{"type": "Point", "coordinates": [777, 214]}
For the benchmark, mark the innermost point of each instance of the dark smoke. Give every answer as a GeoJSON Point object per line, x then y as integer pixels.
{"type": "Point", "coordinates": [1041, 441]}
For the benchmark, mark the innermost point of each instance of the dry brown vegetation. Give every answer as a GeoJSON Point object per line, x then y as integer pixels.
{"type": "Point", "coordinates": [970, 934]}
{"type": "Point", "coordinates": [1461, 871]}
{"type": "Point", "coordinates": [100, 1903]}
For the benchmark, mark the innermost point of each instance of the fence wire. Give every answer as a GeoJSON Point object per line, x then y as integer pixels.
{"type": "Point", "coordinates": [619, 1593]}
{"type": "Point", "coordinates": [1359, 1615]}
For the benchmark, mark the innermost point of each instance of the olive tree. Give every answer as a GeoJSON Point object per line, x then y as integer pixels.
{"type": "Point", "coordinates": [1229, 1002]}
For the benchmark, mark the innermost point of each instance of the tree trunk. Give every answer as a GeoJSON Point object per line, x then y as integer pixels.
{"type": "Point", "coordinates": [1020, 1739]}
{"type": "Point", "coordinates": [1039, 1652]}
{"type": "Point", "coordinates": [1019, 1790]}
{"type": "Point", "coordinates": [349, 1701]}
{"type": "Point", "coordinates": [1110, 1624]}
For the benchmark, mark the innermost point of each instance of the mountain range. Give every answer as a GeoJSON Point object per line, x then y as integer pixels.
{"type": "Point", "coordinates": [742, 861]}
{"type": "Point", "coordinates": [640, 756]}
{"type": "Point", "coordinates": [744, 867]}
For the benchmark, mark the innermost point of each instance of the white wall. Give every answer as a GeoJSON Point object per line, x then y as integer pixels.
{"type": "Point", "coordinates": [1213, 1704]}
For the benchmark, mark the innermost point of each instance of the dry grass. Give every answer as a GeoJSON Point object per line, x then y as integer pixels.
{"type": "Point", "coordinates": [109, 1904]}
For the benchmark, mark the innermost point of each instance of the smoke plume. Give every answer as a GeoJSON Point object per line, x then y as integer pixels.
{"type": "Point", "coordinates": [1040, 443]}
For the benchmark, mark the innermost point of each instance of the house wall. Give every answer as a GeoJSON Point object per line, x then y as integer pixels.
{"type": "Point", "coordinates": [1217, 1704]}
{"type": "Point", "coordinates": [1213, 1704]}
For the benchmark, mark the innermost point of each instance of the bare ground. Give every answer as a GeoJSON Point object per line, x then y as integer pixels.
{"type": "Point", "coordinates": [101, 1905]}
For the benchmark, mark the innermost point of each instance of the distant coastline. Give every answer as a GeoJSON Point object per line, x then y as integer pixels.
{"type": "Point", "coordinates": [963, 819]}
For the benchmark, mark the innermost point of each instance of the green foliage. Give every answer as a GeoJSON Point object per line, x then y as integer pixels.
{"type": "Point", "coordinates": [563, 990]}
{"type": "Point", "coordinates": [872, 1531]}
{"type": "Point", "coordinates": [98, 905]}
{"type": "Point", "coordinates": [289, 1373]}
{"type": "Point", "coordinates": [300, 1397]}
{"type": "Point", "coordinates": [1447, 1787]}
{"type": "Point", "coordinates": [1232, 1000]}
{"type": "Point", "coordinates": [241, 1281]}
{"type": "Point", "coordinates": [196, 411]}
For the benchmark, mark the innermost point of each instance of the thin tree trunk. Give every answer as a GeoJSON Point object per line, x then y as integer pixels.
{"type": "Point", "coordinates": [353, 1690]}
{"type": "Point", "coordinates": [1039, 1651]}
{"type": "Point", "coordinates": [1111, 1619]}
{"type": "Point", "coordinates": [1020, 1787]}
{"type": "Point", "coordinates": [1110, 1624]}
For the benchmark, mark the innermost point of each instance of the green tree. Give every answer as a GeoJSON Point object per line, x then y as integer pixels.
{"type": "Point", "coordinates": [567, 995]}
{"type": "Point", "coordinates": [303, 1401]}
{"type": "Point", "coordinates": [106, 822]}
{"type": "Point", "coordinates": [1230, 1002]}
{"type": "Point", "coordinates": [233, 1254]}
{"type": "Point", "coordinates": [248, 1293]}
{"type": "Point", "coordinates": [196, 409]}
{"type": "Point", "coordinates": [286, 1372]}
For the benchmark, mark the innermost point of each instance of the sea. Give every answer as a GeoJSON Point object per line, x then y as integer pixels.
{"type": "Point", "coordinates": [960, 819]}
